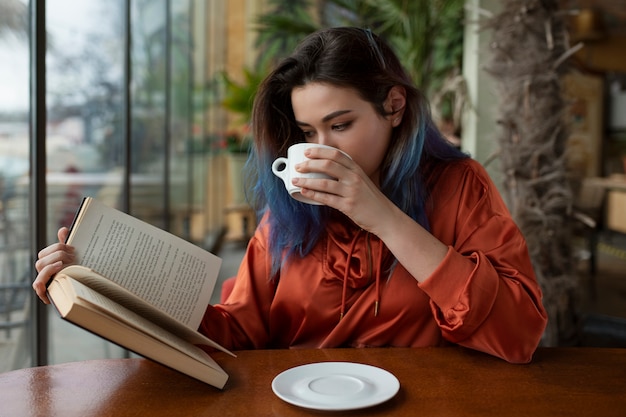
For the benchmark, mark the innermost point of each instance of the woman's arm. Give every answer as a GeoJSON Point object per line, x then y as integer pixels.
{"type": "Point", "coordinates": [473, 262]}
{"type": "Point", "coordinates": [241, 322]}
{"type": "Point", "coordinates": [484, 293]}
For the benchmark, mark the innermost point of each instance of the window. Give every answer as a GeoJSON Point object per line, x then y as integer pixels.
{"type": "Point", "coordinates": [130, 120]}
{"type": "Point", "coordinates": [15, 247]}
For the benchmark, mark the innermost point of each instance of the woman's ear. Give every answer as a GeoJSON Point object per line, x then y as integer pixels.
{"type": "Point", "coordinates": [395, 104]}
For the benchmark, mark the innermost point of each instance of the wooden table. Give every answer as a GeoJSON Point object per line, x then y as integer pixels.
{"type": "Point", "coordinates": [433, 382]}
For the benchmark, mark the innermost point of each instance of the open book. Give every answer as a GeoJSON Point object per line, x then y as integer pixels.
{"type": "Point", "coordinates": [139, 287]}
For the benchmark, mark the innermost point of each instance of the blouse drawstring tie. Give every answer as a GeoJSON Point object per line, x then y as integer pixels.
{"type": "Point", "coordinates": [377, 267]}
{"type": "Point", "coordinates": [344, 290]}
{"type": "Point", "coordinates": [371, 268]}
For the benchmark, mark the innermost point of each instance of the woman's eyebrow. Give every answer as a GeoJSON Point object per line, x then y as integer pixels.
{"type": "Point", "coordinates": [327, 117]}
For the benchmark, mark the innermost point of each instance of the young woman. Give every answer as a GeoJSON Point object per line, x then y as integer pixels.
{"type": "Point", "coordinates": [412, 244]}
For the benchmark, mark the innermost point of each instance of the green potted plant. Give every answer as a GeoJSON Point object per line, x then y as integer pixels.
{"type": "Point", "coordinates": [427, 35]}
{"type": "Point", "coordinates": [238, 99]}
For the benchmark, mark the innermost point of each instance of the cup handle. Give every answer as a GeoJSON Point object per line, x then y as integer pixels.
{"type": "Point", "coordinates": [284, 173]}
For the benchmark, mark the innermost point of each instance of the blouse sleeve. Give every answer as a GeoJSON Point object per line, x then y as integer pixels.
{"type": "Point", "coordinates": [484, 295]}
{"type": "Point", "coordinates": [242, 321]}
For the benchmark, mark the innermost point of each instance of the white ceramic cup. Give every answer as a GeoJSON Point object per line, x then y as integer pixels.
{"type": "Point", "coordinates": [285, 169]}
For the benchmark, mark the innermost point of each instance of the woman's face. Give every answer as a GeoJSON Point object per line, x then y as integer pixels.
{"type": "Point", "coordinates": [339, 117]}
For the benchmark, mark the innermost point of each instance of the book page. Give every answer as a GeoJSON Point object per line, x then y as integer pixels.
{"type": "Point", "coordinates": [137, 322]}
{"type": "Point", "coordinates": [130, 301]}
{"type": "Point", "coordinates": [84, 307]}
{"type": "Point", "coordinates": [167, 271]}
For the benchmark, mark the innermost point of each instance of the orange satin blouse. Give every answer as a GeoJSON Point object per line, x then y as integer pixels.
{"type": "Point", "coordinates": [484, 295]}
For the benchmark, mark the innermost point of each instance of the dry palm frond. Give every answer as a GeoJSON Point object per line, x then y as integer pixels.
{"type": "Point", "coordinates": [530, 50]}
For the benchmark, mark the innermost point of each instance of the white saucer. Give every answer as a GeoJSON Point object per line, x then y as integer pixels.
{"type": "Point", "coordinates": [335, 386]}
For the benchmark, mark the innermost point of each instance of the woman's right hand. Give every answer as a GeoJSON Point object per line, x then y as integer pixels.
{"type": "Point", "coordinates": [50, 261]}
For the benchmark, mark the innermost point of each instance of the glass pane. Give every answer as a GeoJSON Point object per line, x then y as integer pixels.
{"type": "Point", "coordinates": [180, 118]}
{"type": "Point", "coordinates": [15, 258]}
{"type": "Point", "coordinates": [84, 133]}
{"type": "Point", "coordinates": [199, 147]}
{"type": "Point", "coordinates": [148, 110]}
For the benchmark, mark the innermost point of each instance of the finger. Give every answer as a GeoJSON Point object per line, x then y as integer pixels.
{"type": "Point", "coordinates": [328, 199]}
{"type": "Point", "coordinates": [326, 153]}
{"type": "Point", "coordinates": [322, 185]}
{"type": "Point", "coordinates": [65, 255]}
{"type": "Point", "coordinates": [39, 285]}
{"type": "Point", "coordinates": [62, 234]}
{"type": "Point", "coordinates": [52, 249]}
{"type": "Point", "coordinates": [328, 167]}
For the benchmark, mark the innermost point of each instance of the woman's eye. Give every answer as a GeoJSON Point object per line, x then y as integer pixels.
{"type": "Point", "coordinates": [341, 126]}
{"type": "Point", "coordinates": [308, 134]}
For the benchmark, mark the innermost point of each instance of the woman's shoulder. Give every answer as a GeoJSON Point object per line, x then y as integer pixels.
{"type": "Point", "coordinates": [458, 171]}
{"type": "Point", "coordinates": [466, 185]}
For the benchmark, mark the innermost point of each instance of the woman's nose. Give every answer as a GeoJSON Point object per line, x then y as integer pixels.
{"type": "Point", "coordinates": [324, 139]}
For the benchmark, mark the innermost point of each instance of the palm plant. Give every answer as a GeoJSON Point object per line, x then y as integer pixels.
{"type": "Point", "coordinates": [429, 41]}
{"type": "Point", "coordinates": [530, 43]}
{"type": "Point", "coordinates": [238, 98]}
{"type": "Point", "coordinates": [426, 35]}
{"type": "Point", "coordinates": [280, 30]}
